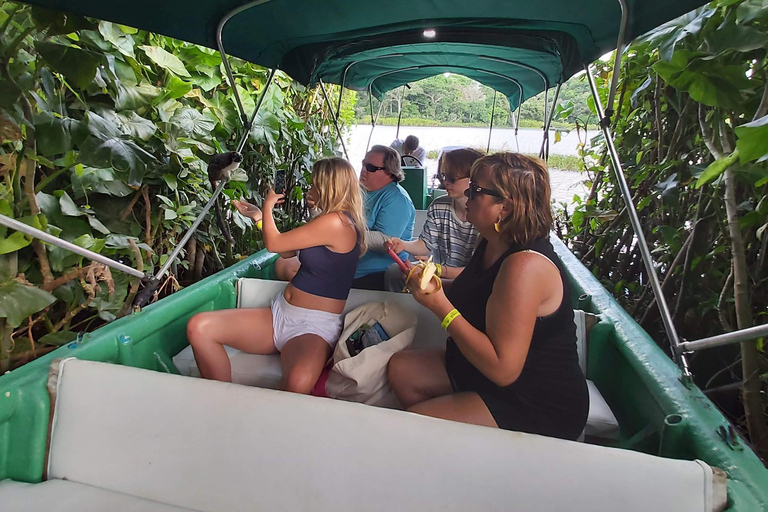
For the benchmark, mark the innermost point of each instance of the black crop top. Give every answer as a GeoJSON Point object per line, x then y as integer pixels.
{"type": "Point", "coordinates": [326, 273]}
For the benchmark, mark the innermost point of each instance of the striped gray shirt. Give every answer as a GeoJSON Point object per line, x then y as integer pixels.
{"type": "Point", "coordinates": [450, 240]}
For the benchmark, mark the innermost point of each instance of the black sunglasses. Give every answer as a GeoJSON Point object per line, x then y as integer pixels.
{"type": "Point", "coordinates": [474, 190]}
{"type": "Point", "coordinates": [445, 178]}
{"type": "Point", "coordinates": [372, 168]}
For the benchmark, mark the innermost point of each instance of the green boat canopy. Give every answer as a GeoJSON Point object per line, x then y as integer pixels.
{"type": "Point", "coordinates": [518, 47]}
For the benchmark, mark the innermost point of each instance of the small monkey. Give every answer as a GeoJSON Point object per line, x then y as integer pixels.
{"type": "Point", "coordinates": [218, 169]}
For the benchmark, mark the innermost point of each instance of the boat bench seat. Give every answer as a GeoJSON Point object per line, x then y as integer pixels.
{"type": "Point", "coordinates": [265, 371]}
{"type": "Point", "coordinates": [129, 439]}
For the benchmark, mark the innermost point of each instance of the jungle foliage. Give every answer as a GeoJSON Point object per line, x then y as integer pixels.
{"type": "Point", "coordinates": [106, 132]}
{"type": "Point", "coordinates": [456, 100]}
{"type": "Point", "coordinates": [692, 133]}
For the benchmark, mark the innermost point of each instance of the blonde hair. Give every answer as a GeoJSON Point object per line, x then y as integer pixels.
{"type": "Point", "coordinates": [338, 190]}
{"type": "Point", "coordinates": [524, 181]}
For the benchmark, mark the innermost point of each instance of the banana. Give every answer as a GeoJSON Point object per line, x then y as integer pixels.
{"type": "Point", "coordinates": [427, 274]}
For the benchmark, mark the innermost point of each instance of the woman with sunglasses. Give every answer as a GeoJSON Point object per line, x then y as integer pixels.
{"type": "Point", "coordinates": [510, 360]}
{"type": "Point", "coordinates": [305, 320]}
{"type": "Point", "coordinates": [447, 234]}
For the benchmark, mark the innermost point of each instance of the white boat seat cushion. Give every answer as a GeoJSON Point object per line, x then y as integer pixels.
{"type": "Point", "coordinates": [64, 496]}
{"type": "Point", "coordinates": [266, 371]}
{"type": "Point", "coordinates": [216, 447]}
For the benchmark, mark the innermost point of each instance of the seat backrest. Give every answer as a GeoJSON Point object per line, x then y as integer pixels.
{"type": "Point", "coordinates": [418, 222]}
{"type": "Point", "coordinates": [216, 447]}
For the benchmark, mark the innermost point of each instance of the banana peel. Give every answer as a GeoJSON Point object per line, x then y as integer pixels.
{"type": "Point", "coordinates": [427, 274]}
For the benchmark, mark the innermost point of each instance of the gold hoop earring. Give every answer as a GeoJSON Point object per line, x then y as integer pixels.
{"type": "Point", "coordinates": [496, 225]}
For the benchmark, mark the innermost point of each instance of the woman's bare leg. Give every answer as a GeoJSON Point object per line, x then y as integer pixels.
{"type": "Point", "coordinates": [303, 359]}
{"type": "Point", "coordinates": [249, 330]}
{"type": "Point", "coordinates": [463, 407]}
{"type": "Point", "coordinates": [418, 375]}
{"type": "Point", "coordinates": [286, 268]}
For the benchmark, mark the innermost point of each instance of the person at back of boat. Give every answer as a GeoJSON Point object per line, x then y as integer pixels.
{"type": "Point", "coordinates": [305, 320]}
{"type": "Point", "coordinates": [447, 235]}
{"type": "Point", "coordinates": [389, 212]}
{"type": "Point", "coordinates": [410, 147]}
{"type": "Point", "coordinates": [510, 359]}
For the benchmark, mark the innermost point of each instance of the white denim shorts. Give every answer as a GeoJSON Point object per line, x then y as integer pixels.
{"type": "Point", "coordinates": [289, 321]}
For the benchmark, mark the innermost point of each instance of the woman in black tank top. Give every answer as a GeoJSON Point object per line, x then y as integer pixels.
{"type": "Point", "coordinates": [510, 359]}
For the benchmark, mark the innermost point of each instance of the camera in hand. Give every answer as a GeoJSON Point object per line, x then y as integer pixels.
{"type": "Point", "coordinates": [280, 182]}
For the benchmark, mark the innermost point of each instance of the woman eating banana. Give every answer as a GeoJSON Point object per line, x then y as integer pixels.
{"type": "Point", "coordinates": [510, 360]}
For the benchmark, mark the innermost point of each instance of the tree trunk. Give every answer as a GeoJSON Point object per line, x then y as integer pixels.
{"type": "Point", "coordinates": [8, 270]}
{"type": "Point", "coordinates": [753, 405]}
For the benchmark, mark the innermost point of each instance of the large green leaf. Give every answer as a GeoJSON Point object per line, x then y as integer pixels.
{"type": "Point", "coordinates": [752, 10]}
{"type": "Point", "coordinates": [19, 301]}
{"type": "Point", "coordinates": [666, 37]}
{"type": "Point", "coordinates": [136, 126]}
{"type": "Point", "coordinates": [115, 35]}
{"type": "Point", "coordinates": [54, 134]}
{"type": "Point", "coordinates": [165, 60]}
{"type": "Point", "coordinates": [175, 87]}
{"type": "Point", "coordinates": [107, 147]}
{"type": "Point", "coordinates": [101, 181]}
{"type": "Point", "coordinates": [195, 124]}
{"type": "Point", "coordinates": [205, 82]}
{"type": "Point", "coordinates": [717, 168]}
{"type": "Point", "coordinates": [77, 65]}
{"type": "Point", "coordinates": [131, 97]}
{"type": "Point", "coordinates": [121, 154]}
{"type": "Point", "coordinates": [266, 128]}
{"type": "Point", "coordinates": [735, 37]}
{"type": "Point", "coordinates": [14, 242]}
{"type": "Point", "coordinates": [706, 79]}
{"type": "Point", "coordinates": [200, 59]}
{"type": "Point", "coordinates": [752, 142]}
{"type": "Point", "coordinates": [224, 111]}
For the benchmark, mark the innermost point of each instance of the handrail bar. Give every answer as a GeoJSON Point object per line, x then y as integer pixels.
{"type": "Point", "coordinates": [758, 331]}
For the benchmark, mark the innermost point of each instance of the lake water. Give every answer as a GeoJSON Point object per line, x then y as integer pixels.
{"type": "Point", "coordinates": [565, 184]}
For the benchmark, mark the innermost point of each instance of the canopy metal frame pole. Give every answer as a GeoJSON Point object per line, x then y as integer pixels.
{"type": "Point", "coordinates": [751, 333]}
{"type": "Point", "coordinates": [544, 153]}
{"type": "Point", "coordinates": [517, 126]}
{"type": "Point", "coordinates": [620, 43]}
{"type": "Point", "coordinates": [374, 120]}
{"type": "Point", "coordinates": [219, 43]}
{"type": "Point", "coordinates": [335, 119]}
{"type": "Point", "coordinates": [249, 125]}
{"type": "Point", "coordinates": [661, 301]}
{"type": "Point", "coordinates": [400, 111]}
{"type": "Point", "coordinates": [58, 242]}
{"type": "Point", "coordinates": [191, 230]}
{"type": "Point", "coordinates": [490, 130]}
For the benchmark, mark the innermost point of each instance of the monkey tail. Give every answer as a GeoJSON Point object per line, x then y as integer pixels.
{"type": "Point", "coordinates": [220, 219]}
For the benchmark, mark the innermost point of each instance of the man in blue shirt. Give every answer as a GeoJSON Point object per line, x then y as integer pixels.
{"type": "Point", "coordinates": [389, 212]}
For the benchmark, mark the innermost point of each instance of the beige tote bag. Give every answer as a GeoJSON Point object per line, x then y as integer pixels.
{"type": "Point", "coordinates": [363, 378]}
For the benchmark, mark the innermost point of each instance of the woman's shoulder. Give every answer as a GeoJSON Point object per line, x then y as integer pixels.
{"type": "Point", "coordinates": [530, 261]}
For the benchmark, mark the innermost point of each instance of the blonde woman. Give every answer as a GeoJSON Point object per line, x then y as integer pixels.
{"type": "Point", "coordinates": [304, 322]}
